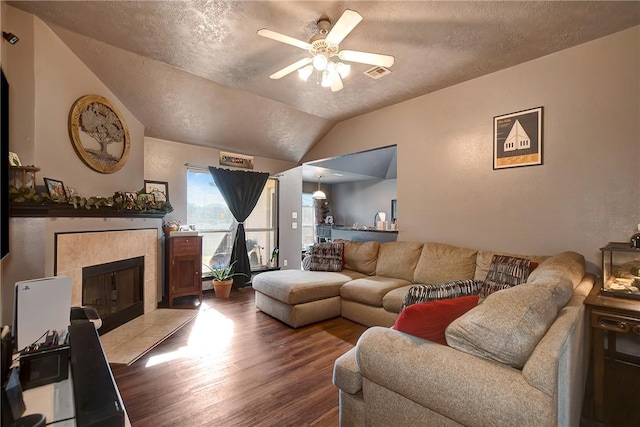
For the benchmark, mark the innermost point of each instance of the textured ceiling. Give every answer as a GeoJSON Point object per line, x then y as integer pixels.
{"type": "Point", "coordinates": [196, 72]}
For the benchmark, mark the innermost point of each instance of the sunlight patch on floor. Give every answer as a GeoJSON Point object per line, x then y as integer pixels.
{"type": "Point", "coordinates": [210, 337]}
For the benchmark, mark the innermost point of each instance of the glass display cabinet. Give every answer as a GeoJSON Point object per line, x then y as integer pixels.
{"type": "Point", "coordinates": [621, 270]}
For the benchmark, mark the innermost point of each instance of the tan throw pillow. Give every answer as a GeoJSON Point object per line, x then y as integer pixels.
{"type": "Point", "coordinates": [508, 325]}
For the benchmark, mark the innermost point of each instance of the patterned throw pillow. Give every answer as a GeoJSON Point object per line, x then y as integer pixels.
{"type": "Point", "coordinates": [506, 272]}
{"type": "Point", "coordinates": [327, 257]}
{"type": "Point", "coordinates": [454, 289]}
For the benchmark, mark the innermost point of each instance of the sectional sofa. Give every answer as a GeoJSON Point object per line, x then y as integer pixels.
{"type": "Point", "coordinates": [519, 358]}
{"type": "Point", "coordinates": [371, 287]}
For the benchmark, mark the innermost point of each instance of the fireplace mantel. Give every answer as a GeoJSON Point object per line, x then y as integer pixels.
{"type": "Point", "coordinates": [33, 210]}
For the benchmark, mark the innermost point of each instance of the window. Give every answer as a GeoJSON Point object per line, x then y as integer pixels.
{"type": "Point", "coordinates": [207, 210]}
{"type": "Point", "coordinates": [308, 221]}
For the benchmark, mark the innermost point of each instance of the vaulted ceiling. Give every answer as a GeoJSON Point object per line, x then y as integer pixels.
{"type": "Point", "coordinates": [197, 72]}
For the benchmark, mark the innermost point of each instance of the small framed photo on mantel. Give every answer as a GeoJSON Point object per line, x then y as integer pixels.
{"type": "Point", "coordinates": [517, 139]}
{"type": "Point", "coordinates": [55, 189]}
{"type": "Point", "coordinates": [159, 190]}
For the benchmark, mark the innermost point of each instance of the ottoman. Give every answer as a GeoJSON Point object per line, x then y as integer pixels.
{"type": "Point", "coordinates": [300, 297]}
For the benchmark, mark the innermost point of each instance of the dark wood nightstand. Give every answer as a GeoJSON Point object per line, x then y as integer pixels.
{"type": "Point", "coordinates": [616, 316]}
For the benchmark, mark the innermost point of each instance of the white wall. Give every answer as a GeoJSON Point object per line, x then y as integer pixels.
{"type": "Point", "coordinates": [586, 194]}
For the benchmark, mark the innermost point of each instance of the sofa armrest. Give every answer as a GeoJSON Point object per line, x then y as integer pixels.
{"type": "Point", "coordinates": [465, 388]}
{"type": "Point", "coordinates": [345, 373]}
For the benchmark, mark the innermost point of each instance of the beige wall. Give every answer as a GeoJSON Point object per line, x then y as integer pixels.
{"type": "Point", "coordinates": [586, 194]}
{"type": "Point", "coordinates": [46, 78]}
{"type": "Point", "coordinates": [20, 74]}
{"type": "Point", "coordinates": [165, 161]}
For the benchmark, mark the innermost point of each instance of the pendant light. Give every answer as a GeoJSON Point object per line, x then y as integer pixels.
{"type": "Point", "coordinates": [318, 194]}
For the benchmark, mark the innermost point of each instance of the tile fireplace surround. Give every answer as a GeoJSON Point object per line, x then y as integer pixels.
{"type": "Point", "coordinates": [74, 251]}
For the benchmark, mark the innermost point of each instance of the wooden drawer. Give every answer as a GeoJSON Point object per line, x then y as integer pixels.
{"type": "Point", "coordinates": [185, 245]}
{"type": "Point", "coordinates": [615, 322]}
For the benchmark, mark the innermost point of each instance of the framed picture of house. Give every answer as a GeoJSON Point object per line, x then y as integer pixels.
{"type": "Point", "coordinates": [517, 139]}
{"type": "Point", "coordinates": [159, 189]}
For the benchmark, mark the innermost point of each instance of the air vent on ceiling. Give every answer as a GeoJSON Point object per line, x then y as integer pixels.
{"type": "Point", "coordinates": [377, 72]}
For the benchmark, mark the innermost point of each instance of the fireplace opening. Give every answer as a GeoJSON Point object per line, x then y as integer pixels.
{"type": "Point", "coordinates": [115, 290]}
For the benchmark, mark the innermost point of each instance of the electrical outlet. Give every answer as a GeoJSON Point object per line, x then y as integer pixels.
{"type": "Point", "coordinates": [294, 215]}
{"type": "Point", "coordinates": [284, 263]}
{"type": "Point", "coordinates": [294, 225]}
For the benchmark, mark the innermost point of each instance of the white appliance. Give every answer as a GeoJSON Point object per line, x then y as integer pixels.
{"type": "Point", "coordinates": [41, 305]}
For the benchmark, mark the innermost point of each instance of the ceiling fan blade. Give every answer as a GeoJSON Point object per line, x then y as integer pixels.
{"type": "Point", "coordinates": [366, 58]}
{"type": "Point", "coordinates": [284, 39]}
{"type": "Point", "coordinates": [337, 81]}
{"type": "Point", "coordinates": [342, 28]}
{"type": "Point", "coordinates": [291, 68]}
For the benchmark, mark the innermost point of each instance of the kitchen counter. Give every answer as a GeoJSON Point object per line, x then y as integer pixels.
{"type": "Point", "coordinates": [361, 234]}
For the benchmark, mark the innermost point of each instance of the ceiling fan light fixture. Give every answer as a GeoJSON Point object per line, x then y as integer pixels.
{"type": "Point", "coordinates": [305, 72]}
{"type": "Point", "coordinates": [320, 62]}
{"type": "Point", "coordinates": [327, 81]}
{"type": "Point", "coordinates": [343, 69]}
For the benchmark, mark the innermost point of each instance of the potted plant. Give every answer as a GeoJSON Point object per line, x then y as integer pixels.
{"type": "Point", "coordinates": [222, 279]}
{"type": "Point", "coordinates": [171, 225]}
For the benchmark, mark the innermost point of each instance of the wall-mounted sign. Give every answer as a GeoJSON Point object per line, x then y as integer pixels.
{"type": "Point", "coordinates": [236, 160]}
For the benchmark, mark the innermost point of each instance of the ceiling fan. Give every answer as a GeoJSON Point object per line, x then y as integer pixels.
{"type": "Point", "coordinates": [323, 47]}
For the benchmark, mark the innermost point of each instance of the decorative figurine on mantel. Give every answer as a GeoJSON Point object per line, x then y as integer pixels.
{"type": "Point", "coordinates": [26, 174]}
{"type": "Point", "coordinates": [635, 239]}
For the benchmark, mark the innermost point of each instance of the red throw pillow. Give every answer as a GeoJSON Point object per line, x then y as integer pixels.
{"type": "Point", "coordinates": [429, 320]}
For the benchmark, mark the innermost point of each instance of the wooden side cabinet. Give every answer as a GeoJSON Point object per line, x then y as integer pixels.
{"type": "Point", "coordinates": [615, 316]}
{"type": "Point", "coordinates": [184, 267]}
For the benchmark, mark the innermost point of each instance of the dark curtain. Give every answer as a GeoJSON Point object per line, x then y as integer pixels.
{"type": "Point", "coordinates": [241, 190]}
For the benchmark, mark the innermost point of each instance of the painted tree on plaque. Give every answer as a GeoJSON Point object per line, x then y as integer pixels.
{"type": "Point", "coordinates": [103, 125]}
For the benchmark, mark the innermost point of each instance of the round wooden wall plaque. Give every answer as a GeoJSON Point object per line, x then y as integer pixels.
{"type": "Point", "coordinates": [99, 133]}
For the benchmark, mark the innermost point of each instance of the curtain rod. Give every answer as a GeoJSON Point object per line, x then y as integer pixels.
{"type": "Point", "coordinates": [206, 168]}
{"type": "Point", "coordinates": [192, 166]}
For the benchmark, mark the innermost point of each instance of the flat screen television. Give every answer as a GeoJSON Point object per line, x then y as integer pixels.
{"type": "Point", "coordinates": [4, 166]}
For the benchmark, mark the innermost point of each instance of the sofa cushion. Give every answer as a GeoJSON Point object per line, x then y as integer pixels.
{"type": "Point", "coordinates": [454, 289]}
{"type": "Point", "coordinates": [398, 259]}
{"type": "Point", "coordinates": [505, 272]}
{"type": "Point", "coordinates": [566, 265]}
{"type": "Point", "coordinates": [393, 301]}
{"type": "Point", "coordinates": [370, 290]}
{"type": "Point", "coordinates": [299, 286]}
{"type": "Point", "coordinates": [507, 326]}
{"type": "Point", "coordinates": [484, 259]}
{"type": "Point", "coordinates": [361, 256]}
{"type": "Point", "coordinates": [429, 320]}
{"type": "Point", "coordinates": [327, 257]}
{"type": "Point", "coordinates": [440, 263]}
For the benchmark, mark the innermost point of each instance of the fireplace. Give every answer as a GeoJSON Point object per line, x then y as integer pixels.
{"type": "Point", "coordinates": [115, 290]}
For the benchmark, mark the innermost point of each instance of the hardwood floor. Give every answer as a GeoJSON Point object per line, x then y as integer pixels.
{"type": "Point", "coordinates": [236, 366]}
